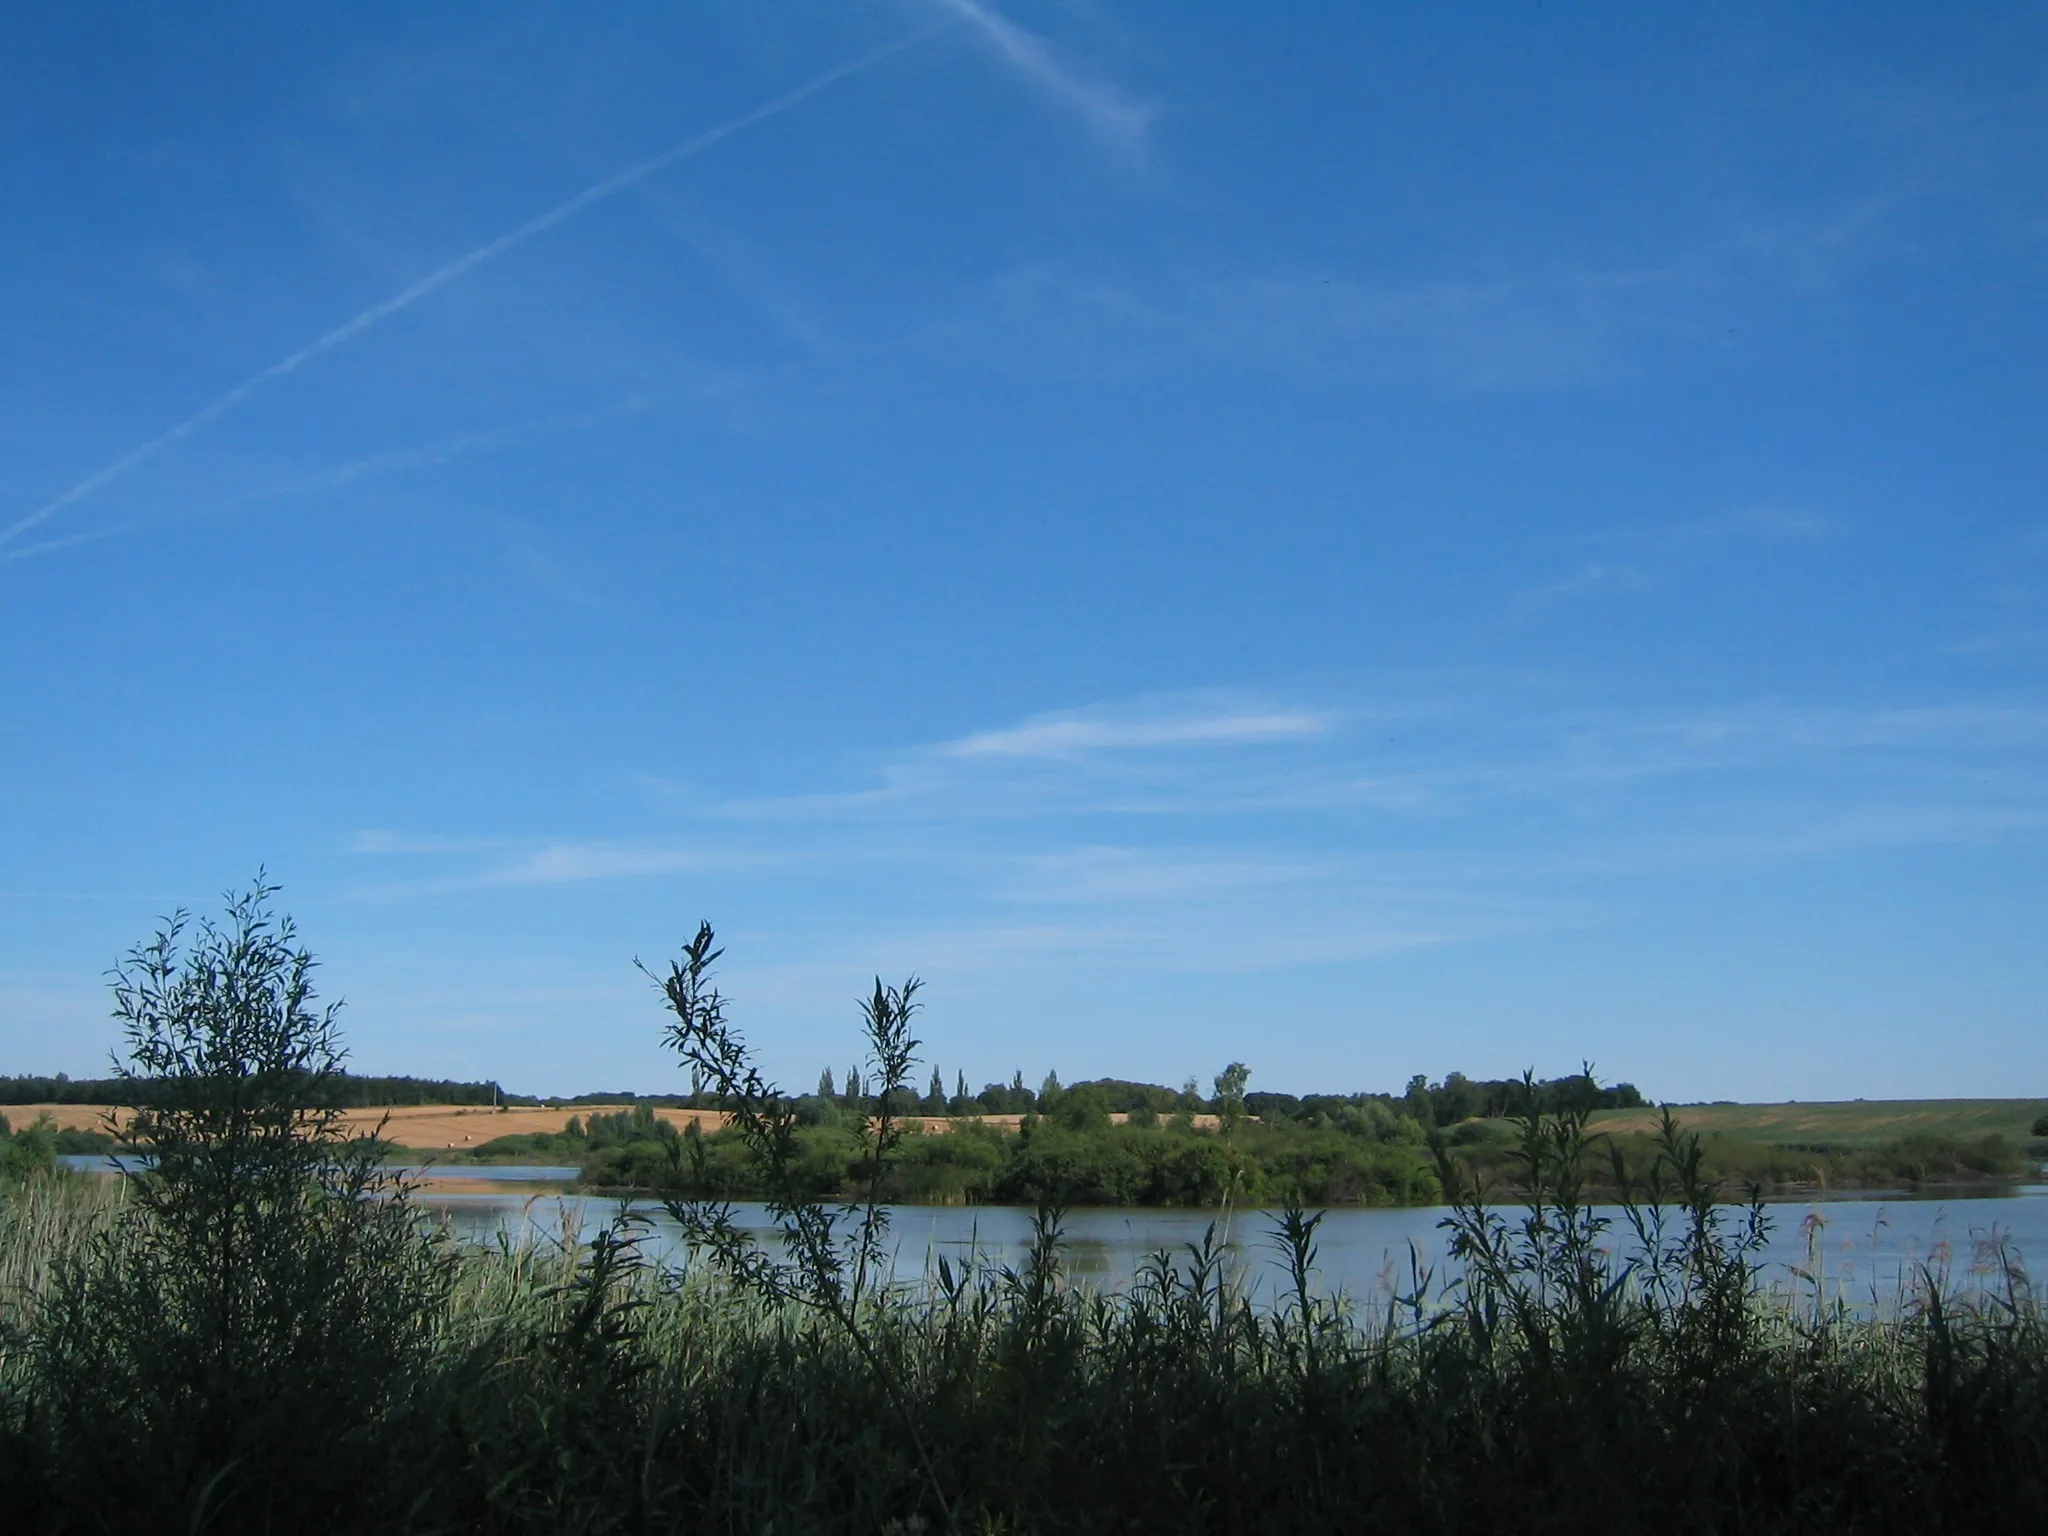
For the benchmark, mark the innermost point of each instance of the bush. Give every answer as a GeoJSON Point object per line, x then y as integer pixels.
{"type": "Point", "coordinates": [230, 1345]}
{"type": "Point", "coordinates": [30, 1151]}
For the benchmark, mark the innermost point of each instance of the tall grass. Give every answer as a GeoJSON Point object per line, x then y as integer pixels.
{"type": "Point", "coordinates": [1635, 1377]}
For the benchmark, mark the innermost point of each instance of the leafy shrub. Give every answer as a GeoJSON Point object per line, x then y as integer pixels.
{"type": "Point", "coordinates": [228, 1345]}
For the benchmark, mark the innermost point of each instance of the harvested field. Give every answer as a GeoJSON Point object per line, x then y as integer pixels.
{"type": "Point", "coordinates": [428, 1127]}
{"type": "Point", "coordinates": [69, 1117]}
{"type": "Point", "coordinates": [452, 1127]}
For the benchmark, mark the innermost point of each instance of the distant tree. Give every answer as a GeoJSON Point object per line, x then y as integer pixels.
{"type": "Point", "coordinates": [853, 1093]}
{"type": "Point", "coordinates": [935, 1096]}
{"type": "Point", "coordinates": [1457, 1098]}
{"type": "Point", "coordinates": [1190, 1095]}
{"type": "Point", "coordinates": [1417, 1099]}
{"type": "Point", "coordinates": [1230, 1084]}
{"type": "Point", "coordinates": [1084, 1109]}
{"type": "Point", "coordinates": [825, 1088]}
{"type": "Point", "coordinates": [960, 1087]}
{"type": "Point", "coordinates": [1000, 1099]}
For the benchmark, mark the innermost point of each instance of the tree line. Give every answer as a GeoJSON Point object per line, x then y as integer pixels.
{"type": "Point", "coordinates": [1446, 1102]}
{"type": "Point", "coordinates": [341, 1090]}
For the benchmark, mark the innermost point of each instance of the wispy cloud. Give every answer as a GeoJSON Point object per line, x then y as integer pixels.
{"type": "Point", "coordinates": [1097, 874]}
{"type": "Point", "coordinates": [1596, 578]}
{"type": "Point", "coordinates": [1319, 835]}
{"type": "Point", "coordinates": [743, 268]}
{"type": "Point", "coordinates": [1473, 322]}
{"type": "Point", "coordinates": [448, 273]}
{"type": "Point", "coordinates": [533, 861]}
{"type": "Point", "coordinates": [1434, 759]}
{"type": "Point", "coordinates": [1070, 735]}
{"type": "Point", "coordinates": [595, 861]}
{"type": "Point", "coordinates": [1172, 854]}
{"type": "Point", "coordinates": [1119, 122]}
{"type": "Point", "coordinates": [379, 840]}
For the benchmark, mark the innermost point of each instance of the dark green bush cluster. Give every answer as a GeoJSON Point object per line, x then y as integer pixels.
{"type": "Point", "coordinates": [1357, 1156]}
{"type": "Point", "coordinates": [31, 1150]}
{"type": "Point", "coordinates": [1167, 1164]}
{"type": "Point", "coordinates": [36, 1147]}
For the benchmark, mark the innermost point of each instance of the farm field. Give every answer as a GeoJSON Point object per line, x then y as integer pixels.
{"type": "Point", "coordinates": [1845, 1124]}
{"type": "Point", "coordinates": [420, 1127]}
{"type": "Point", "coordinates": [453, 1127]}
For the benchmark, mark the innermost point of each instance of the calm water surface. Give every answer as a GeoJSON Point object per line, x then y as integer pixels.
{"type": "Point", "coordinates": [1859, 1247]}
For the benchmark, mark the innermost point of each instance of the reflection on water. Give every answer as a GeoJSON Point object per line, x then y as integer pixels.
{"type": "Point", "coordinates": [1858, 1249]}
{"type": "Point", "coordinates": [1859, 1246]}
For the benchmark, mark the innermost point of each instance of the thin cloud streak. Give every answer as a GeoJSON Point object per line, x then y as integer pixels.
{"type": "Point", "coordinates": [1066, 736]}
{"type": "Point", "coordinates": [460, 267]}
{"type": "Point", "coordinates": [1488, 754]}
{"type": "Point", "coordinates": [1120, 122]}
{"type": "Point", "coordinates": [1597, 578]}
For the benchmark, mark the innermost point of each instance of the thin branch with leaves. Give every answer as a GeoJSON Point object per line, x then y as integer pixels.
{"type": "Point", "coordinates": [823, 1267]}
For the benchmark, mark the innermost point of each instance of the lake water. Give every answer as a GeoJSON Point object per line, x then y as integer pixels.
{"type": "Point", "coordinates": [1863, 1245]}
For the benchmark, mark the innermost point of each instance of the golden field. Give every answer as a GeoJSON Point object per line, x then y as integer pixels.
{"type": "Point", "coordinates": [452, 1127]}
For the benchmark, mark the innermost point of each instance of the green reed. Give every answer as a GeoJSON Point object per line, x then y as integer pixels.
{"type": "Point", "coordinates": [581, 1387]}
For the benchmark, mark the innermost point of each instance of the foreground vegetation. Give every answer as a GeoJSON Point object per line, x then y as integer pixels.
{"type": "Point", "coordinates": [261, 1334]}
{"type": "Point", "coordinates": [555, 1389]}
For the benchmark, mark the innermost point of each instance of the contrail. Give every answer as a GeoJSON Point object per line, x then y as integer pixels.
{"type": "Point", "coordinates": [441, 277]}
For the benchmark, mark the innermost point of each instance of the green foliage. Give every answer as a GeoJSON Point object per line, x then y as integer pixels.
{"type": "Point", "coordinates": [832, 1262]}
{"type": "Point", "coordinates": [1229, 1101]}
{"type": "Point", "coordinates": [1075, 1156]}
{"type": "Point", "coordinates": [265, 1289]}
{"type": "Point", "coordinates": [31, 1151]}
{"type": "Point", "coordinates": [1349, 1155]}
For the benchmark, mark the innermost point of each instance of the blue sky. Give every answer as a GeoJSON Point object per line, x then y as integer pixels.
{"type": "Point", "coordinates": [1362, 539]}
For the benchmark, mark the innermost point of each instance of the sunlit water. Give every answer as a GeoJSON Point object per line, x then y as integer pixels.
{"type": "Point", "coordinates": [1859, 1249]}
